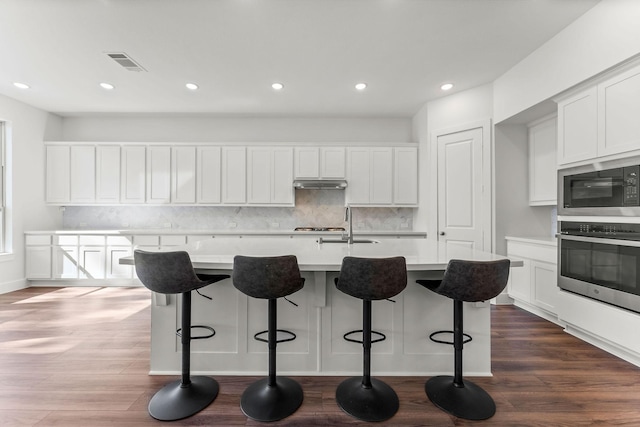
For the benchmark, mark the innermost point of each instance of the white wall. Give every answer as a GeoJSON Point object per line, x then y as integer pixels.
{"type": "Point", "coordinates": [235, 129]}
{"type": "Point", "coordinates": [456, 110]}
{"type": "Point", "coordinates": [28, 128]}
{"type": "Point", "coordinates": [606, 35]}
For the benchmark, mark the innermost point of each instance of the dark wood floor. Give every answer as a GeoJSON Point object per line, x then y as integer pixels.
{"type": "Point", "coordinates": [79, 357]}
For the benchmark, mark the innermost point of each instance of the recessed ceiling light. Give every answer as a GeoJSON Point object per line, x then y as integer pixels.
{"type": "Point", "coordinates": [21, 85]}
{"type": "Point", "coordinates": [192, 86]}
{"type": "Point", "coordinates": [107, 86]}
{"type": "Point", "coordinates": [446, 86]}
{"type": "Point", "coordinates": [277, 86]}
{"type": "Point", "coordinates": [361, 86]}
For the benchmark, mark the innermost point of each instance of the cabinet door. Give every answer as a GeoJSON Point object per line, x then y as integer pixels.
{"type": "Point", "coordinates": [332, 162]}
{"type": "Point", "coordinates": [158, 174]}
{"type": "Point", "coordinates": [259, 167]}
{"type": "Point", "coordinates": [65, 262]}
{"type": "Point", "coordinates": [307, 162]}
{"type": "Point", "coordinates": [183, 174]}
{"type": "Point", "coordinates": [115, 270]}
{"type": "Point", "coordinates": [234, 175]}
{"type": "Point", "coordinates": [405, 183]}
{"type": "Point", "coordinates": [133, 169]}
{"type": "Point", "coordinates": [92, 262]}
{"type": "Point", "coordinates": [38, 262]}
{"type": "Point", "coordinates": [618, 107]}
{"type": "Point", "coordinates": [381, 176]}
{"type": "Point", "coordinates": [520, 281]}
{"type": "Point", "coordinates": [578, 127]}
{"type": "Point", "coordinates": [107, 174]}
{"type": "Point", "coordinates": [282, 176]}
{"type": "Point", "coordinates": [57, 173]}
{"type": "Point", "coordinates": [542, 163]}
{"type": "Point", "coordinates": [209, 174]}
{"type": "Point", "coordinates": [358, 173]}
{"type": "Point", "coordinates": [83, 174]}
{"type": "Point", "coordinates": [544, 285]}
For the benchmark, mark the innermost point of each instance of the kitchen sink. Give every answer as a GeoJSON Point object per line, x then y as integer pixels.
{"type": "Point", "coordinates": [321, 241]}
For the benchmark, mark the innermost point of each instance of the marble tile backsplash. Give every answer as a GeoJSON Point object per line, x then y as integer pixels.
{"type": "Point", "coordinates": [318, 208]}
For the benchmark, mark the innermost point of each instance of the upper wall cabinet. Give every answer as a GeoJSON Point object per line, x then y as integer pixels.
{"type": "Point", "coordinates": [270, 176]}
{"type": "Point", "coordinates": [58, 188]}
{"type": "Point", "coordinates": [382, 176]}
{"type": "Point", "coordinates": [107, 174]}
{"type": "Point", "coordinates": [234, 175]}
{"type": "Point", "coordinates": [542, 162]}
{"type": "Point", "coordinates": [320, 163]}
{"type": "Point", "coordinates": [600, 120]}
{"type": "Point", "coordinates": [133, 174]}
{"type": "Point", "coordinates": [183, 174]}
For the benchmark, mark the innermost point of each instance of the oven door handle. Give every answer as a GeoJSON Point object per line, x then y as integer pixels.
{"type": "Point", "coordinates": [604, 241]}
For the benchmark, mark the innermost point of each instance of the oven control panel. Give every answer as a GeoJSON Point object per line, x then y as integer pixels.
{"type": "Point", "coordinates": [608, 230]}
{"type": "Point", "coordinates": [631, 186]}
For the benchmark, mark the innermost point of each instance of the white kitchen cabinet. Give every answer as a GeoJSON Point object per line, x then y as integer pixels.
{"type": "Point", "coordinates": [133, 169]}
{"type": "Point", "coordinates": [58, 162]}
{"type": "Point", "coordinates": [533, 287]}
{"type": "Point", "coordinates": [158, 174]}
{"type": "Point", "coordinates": [405, 178]}
{"type": "Point", "coordinates": [543, 162]}
{"type": "Point", "coordinates": [270, 175]}
{"type": "Point", "coordinates": [118, 247]}
{"type": "Point", "coordinates": [209, 176]}
{"type": "Point", "coordinates": [38, 256]}
{"type": "Point", "coordinates": [92, 253]}
{"type": "Point", "coordinates": [319, 163]}
{"type": "Point", "coordinates": [108, 174]}
{"type": "Point", "coordinates": [83, 174]}
{"type": "Point", "coordinates": [183, 174]}
{"type": "Point", "coordinates": [618, 107]}
{"type": "Point", "coordinates": [234, 175]}
{"type": "Point", "coordinates": [578, 127]}
{"type": "Point", "coordinates": [370, 176]}
{"type": "Point", "coordinates": [65, 257]}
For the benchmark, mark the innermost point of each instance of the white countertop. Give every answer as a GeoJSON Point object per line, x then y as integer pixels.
{"type": "Point", "coordinates": [540, 240]}
{"type": "Point", "coordinates": [228, 232]}
{"type": "Point", "coordinates": [421, 254]}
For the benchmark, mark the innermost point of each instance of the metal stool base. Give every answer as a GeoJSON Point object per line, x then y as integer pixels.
{"type": "Point", "coordinates": [378, 403]}
{"type": "Point", "coordinates": [470, 402]}
{"type": "Point", "coordinates": [262, 402]}
{"type": "Point", "coordinates": [174, 402]}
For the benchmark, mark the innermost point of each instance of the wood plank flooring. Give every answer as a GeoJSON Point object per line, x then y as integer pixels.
{"type": "Point", "coordinates": [80, 357]}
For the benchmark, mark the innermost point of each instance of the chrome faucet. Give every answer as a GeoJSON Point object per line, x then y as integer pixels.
{"type": "Point", "coordinates": [348, 216]}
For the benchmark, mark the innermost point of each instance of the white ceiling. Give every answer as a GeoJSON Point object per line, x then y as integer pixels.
{"type": "Point", "coordinates": [234, 49]}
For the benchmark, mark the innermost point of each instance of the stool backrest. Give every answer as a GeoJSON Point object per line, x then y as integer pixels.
{"type": "Point", "coordinates": [166, 272]}
{"type": "Point", "coordinates": [474, 280]}
{"type": "Point", "coordinates": [267, 277]}
{"type": "Point", "coordinates": [372, 278]}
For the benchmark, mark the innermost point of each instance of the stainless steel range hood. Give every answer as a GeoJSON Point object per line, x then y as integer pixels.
{"type": "Point", "coordinates": [320, 184]}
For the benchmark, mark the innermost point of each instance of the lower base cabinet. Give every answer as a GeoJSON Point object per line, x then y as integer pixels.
{"type": "Point", "coordinates": [534, 286]}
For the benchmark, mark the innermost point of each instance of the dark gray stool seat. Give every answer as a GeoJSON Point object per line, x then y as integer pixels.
{"type": "Point", "coordinates": [172, 273]}
{"type": "Point", "coordinates": [465, 281]}
{"type": "Point", "coordinates": [366, 398]}
{"type": "Point", "coordinates": [275, 397]}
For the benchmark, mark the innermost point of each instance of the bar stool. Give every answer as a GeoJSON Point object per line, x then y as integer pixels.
{"type": "Point", "coordinates": [275, 397]}
{"type": "Point", "coordinates": [172, 273]}
{"type": "Point", "coordinates": [366, 398]}
{"type": "Point", "coordinates": [469, 281]}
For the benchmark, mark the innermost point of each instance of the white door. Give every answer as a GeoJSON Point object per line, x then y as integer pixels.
{"type": "Point", "coordinates": [460, 188]}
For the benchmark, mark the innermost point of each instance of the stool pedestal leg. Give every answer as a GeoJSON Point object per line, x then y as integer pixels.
{"type": "Point", "coordinates": [188, 396]}
{"type": "Point", "coordinates": [452, 394]}
{"type": "Point", "coordinates": [272, 398]}
{"type": "Point", "coordinates": [366, 398]}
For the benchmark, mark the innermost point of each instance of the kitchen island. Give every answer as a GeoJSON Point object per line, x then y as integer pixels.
{"type": "Point", "coordinates": [321, 314]}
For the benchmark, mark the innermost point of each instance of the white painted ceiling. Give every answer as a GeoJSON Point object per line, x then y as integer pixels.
{"type": "Point", "coordinates": [234, 49]}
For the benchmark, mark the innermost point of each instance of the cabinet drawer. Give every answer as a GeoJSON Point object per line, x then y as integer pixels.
{"type": "Point", "coordinates": [38, 240]}
{"type": "Point", "coordinates": [533, 251]}
{"type": "Point", "coordinates": [119, 240]}
{"type": "Point", "coordinates": [171, 240]}
{"type": "Point", "coordinates": [146, 240]}
{"type": "Point", "coordinates": [65, 240]}
{"type": "Point", "coordinates": [92, 240]}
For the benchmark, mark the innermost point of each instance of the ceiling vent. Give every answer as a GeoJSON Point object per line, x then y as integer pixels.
{"type": "Point", "coordinates": [124, 60]}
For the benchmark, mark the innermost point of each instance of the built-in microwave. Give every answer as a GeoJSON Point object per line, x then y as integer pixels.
{"type": "Point", "coordinates": [599, 189]}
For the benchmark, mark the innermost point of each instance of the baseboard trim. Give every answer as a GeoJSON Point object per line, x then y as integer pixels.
{"type": "Point", "coordinates": [13, 286]}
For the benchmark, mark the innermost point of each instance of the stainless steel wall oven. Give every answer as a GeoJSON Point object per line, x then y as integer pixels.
{"type": "Point", "coordinates": [601, 260]}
